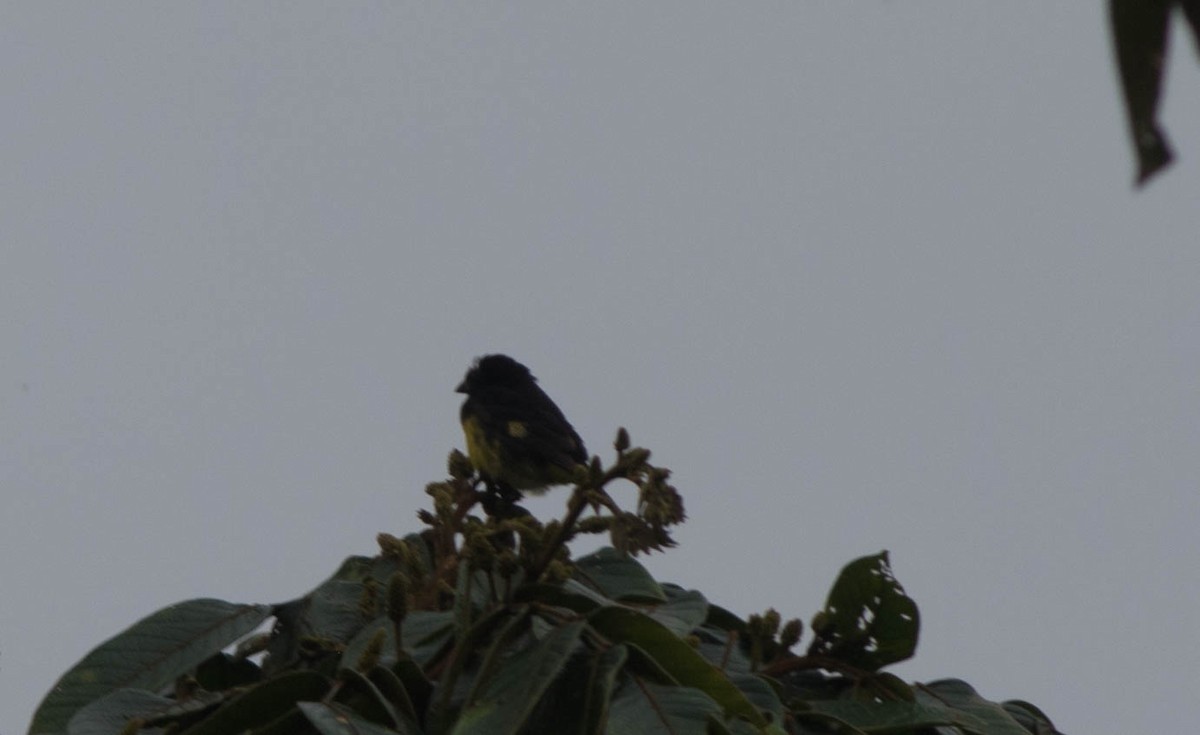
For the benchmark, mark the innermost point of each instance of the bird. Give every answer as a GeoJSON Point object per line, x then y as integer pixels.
{"type": "Point", "coordinates": [517, 438]}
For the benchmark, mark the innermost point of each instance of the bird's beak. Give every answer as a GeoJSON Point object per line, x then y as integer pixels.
{"type": "Point", "coordinates": [462, 387]}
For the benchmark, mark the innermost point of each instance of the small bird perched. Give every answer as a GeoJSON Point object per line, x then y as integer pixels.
{"type": "Point", "coordinates": [517, 438]}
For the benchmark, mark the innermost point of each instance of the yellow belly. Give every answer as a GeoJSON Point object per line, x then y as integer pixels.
{"type": "Point", "coordinates": [522, 473]}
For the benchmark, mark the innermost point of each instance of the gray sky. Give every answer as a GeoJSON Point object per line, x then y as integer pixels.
{"type": "Point", "coordinates": [861, 273]}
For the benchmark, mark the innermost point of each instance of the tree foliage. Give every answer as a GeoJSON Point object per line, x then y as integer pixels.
{"type": "Point", "coordinates": [485, 624]}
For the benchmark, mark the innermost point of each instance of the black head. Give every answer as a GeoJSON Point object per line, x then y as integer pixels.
{"type": "Point", "coordinates": [495, 370]}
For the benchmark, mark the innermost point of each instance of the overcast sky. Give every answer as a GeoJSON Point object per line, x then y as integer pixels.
{"type": "Point", "coordinates": [865, 275]}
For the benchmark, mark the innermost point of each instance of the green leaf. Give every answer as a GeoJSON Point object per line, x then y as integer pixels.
{"type": "Point", "coordinates": [110, 713]}
{"type": "Point", "coordinates": [378, 697]}
{"type": "Point", "coordinates": [885, 717]}
{"type": "Point", "coordinates": [359, 694]}
{"type": "Point", "coordinates": [292, 722]}
{"type": "Point", "coordinates": [741, 727]}
{"type": "Point", "coordinates": [719, 617]}
{"type": "Point", "coordinates": [645, 666]}
{"type": "Point", "coordinates": [262, 704]}
{"type": "Point", "coordinates": [464, 605]}
{"type": "Point", "coordinates": [868, 621]}
{"type": "Point", "coordinates": [605, 669]}
{"type": "Point", "coordinates": [720, 647]}
{"type": "Point", "coordinates": [760, 693]}
{"type": "Point", "coordinates": [334, 611]}
{"type": "Point", "coordinates": [571, 595]}
{"type": "Point", "coordinates": [224, 671]}
{"type": "Point", "coordinates": [354, 569]}
{"type": "Point", "coordinates": [957, 696]}
{"type": "Point", "coordinates": [392, 687]}
{"type": "Point", "coordinates": [889, 686]}
{"type": "Point", "coordinates": [1029, 717]}
{"type": "Point", "coordinates": [683, 612]}
{"type": "Point", "coordinates": [500, 648]}
{"type": "Point", "coordinates": [148, 655]}
{"type": "Point", "coordinates": [508, 698]}
{"type": "Point", "coordinates": [358, 644]}
{"type": "Point", "coordinates": [644, 708]}
{"type": "Point", "coordinates": [441, 710]}
{"type": "Point", "coordinates": [425, 635]}
{"type": "Point", "coordinates": [684, 664]}
{"type": "Point", "coordinates": [418, 688]}
{"type": "Point", "coordinates": [331, 720]}
{"type": "Point", "coordinates": [617, 576]}
{"type": "Point", "coordinates": [564, 708]}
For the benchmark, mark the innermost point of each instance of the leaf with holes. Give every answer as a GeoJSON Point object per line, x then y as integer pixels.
{"type": "Point", "coordinates": [868, 620]}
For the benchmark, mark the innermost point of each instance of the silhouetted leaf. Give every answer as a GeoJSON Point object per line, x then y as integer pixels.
{"type": "Point", "coordinates": [1029, 717]}
{"type": "Point", "coordinates": [959, 697]}
{"type": "Point", "coordinates": [868, 620]}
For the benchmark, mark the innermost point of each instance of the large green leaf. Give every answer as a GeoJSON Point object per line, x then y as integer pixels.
{"type": "Point", "coordinates": [682, 662]}
{"type": "Point", "coordinates": [505, 702]}
{"type": "Point", "coordinates": [868, 620]}
{"type": "Point", "coordinates": [617, 576]}
{"type": "Point", "coordinates": [644, 708]}
{"type": "Point", "coordinates": [262, 704]}
{"type": "Point", "coordinates": [148, 655]}
{"type": "Point", "coordinates": [112, 712]}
